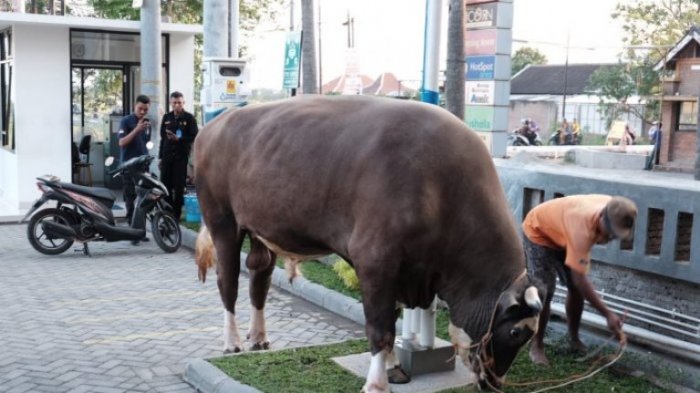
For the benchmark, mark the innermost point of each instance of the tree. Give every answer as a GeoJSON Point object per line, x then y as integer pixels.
{"type": "Point", "coordinates": [524, 57]}
{"type": "Point", "coordinates": [454, 78]}
{"type": "Point", "coordinates": [308, 48]}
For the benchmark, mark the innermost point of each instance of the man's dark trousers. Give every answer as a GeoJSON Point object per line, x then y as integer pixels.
{"type": "Point", "coordinates": [173, 173]}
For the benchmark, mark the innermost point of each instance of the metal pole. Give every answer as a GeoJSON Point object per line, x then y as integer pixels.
{"type": "Point", "coordinates": [431, 52]}
{"type": "Point", "coordinates": [566, 78]}
{"type": "Point", "coordinates": [320, 58]}
{"type": "Point", "coordinates": [429, 93]}
{"type": "Point", "coordinates": [234, 17]}
{"type": "Point", "coordinates": [292, 91]}
{"type": "Point", "coordinates": [152, 62]}
{"type": "Point", "coordinates": [215, 28]}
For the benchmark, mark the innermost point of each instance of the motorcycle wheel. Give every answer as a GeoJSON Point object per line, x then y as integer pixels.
{"type": "Point", "coordinates": [166, 231]}
{"type": "Point", "coordinates": [40, 240]}
{"type": "Point", "coordinates": [538, 143]}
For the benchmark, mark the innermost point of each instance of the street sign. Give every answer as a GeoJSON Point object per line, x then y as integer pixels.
{"type": "Point", "coordinates": [480, 15]}
{"type": "Point", "coordinates": [292, 60]}
{"type": "Point", "coordinates": [480, 92]}
{"type": "Point", "coordinates": [479, 118]}
{"type": "Point", "coordinates": [480, 42]}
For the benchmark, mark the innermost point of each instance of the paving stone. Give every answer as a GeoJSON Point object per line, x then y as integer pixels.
{"type": "Point", "coordinates": [126, 320]}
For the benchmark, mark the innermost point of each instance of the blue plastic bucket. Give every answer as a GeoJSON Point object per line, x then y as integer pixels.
{"type": "Point", "coordinates": [192, 213]}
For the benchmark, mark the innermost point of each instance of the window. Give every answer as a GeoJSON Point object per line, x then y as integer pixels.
{"type": "Point", "coordinates": [7, 121]}
{"type": "Point", "coordinates": [688, 116]}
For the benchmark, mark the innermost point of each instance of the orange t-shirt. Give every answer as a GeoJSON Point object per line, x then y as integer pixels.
{"type": "Point", "coordinates": [568, 223]}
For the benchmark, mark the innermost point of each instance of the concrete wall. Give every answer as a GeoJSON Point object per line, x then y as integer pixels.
{"type": "Point", "coordinates": [182, 68]}
{"type": "Point", "coordinates": [661, 266]}
{"type": "Point", "coordinates": [42, 107]}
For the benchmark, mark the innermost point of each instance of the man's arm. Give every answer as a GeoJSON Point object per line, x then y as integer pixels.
{"type": "Point", "coordinates": [128, 138]}
{"type": "Point", "coordinates": [162, 137]}
{"type": "Point", "coordinates": [191, 131]}
{"type": "Point", "coordinates": [581, 282]}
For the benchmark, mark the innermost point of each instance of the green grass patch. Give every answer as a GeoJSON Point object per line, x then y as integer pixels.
{"type": "Point", "coordinates": [311, 369]}
{"type": "Point", "coordinates": [324, 275]}
{"type": "Point", "coordinates": [296, 370]}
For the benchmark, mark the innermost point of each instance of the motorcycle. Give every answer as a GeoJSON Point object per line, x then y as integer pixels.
{"type": "Point", "coordinates": [516, 138]}
{"type": "Point", "coordinates": [569, 138]}
{"type": "Point", "coordinates": [84, 214]}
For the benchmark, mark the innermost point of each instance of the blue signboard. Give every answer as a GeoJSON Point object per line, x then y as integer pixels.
{"type": "Point", "coordinates": [480, 68]}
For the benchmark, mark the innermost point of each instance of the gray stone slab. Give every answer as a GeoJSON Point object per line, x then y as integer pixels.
{"type": "Point", "coordinates": [358, 364]}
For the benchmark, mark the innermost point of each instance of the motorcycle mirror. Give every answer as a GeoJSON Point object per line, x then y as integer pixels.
{"type": "Point", "coordinates": [109, 161]}
{"type": "Point", "coordinates": [149, 145]}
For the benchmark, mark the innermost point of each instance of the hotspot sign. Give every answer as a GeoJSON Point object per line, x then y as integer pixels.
{"type": "Point", "coordinates": [479, 68]}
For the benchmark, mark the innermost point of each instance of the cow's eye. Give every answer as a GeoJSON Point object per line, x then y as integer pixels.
{"type": "Point", "coordinates": [515, 332]}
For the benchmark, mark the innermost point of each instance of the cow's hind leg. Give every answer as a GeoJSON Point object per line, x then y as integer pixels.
{"type": "Point", "coordinates": [260, 264]}
{"type": "Point", "coordinates": [228, 240]}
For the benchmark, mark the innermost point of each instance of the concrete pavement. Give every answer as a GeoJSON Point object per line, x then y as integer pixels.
{"type": "Point", "coordinates": [126, 320]}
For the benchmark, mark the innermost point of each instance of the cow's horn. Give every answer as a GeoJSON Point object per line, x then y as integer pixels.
{"type": "Point", "coordinates": [532, 298]}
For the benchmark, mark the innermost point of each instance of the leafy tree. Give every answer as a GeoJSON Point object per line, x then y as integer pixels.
{"type": "Point", "coordinates": [526, 56]}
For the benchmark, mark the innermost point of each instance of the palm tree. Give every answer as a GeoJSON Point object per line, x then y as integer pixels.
{"type": "Point", "coordinates": [454, 77]}
{"type": "Point", "coordinates": [308, 48]}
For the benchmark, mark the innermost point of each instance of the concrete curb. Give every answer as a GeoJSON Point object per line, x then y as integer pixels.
{"type": "Point", "coordinates": [207, 378]}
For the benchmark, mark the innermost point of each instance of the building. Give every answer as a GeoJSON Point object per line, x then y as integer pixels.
{"type": "Point", "coordinates": [63, 78]}
{"type": "Point", "coordinates": [680, 70]}
{"type": "Point", "coordinates": [537, 92]}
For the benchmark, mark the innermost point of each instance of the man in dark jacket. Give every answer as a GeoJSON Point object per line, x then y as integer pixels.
{"type": "Point", "coordinates": [177, 132]}
{"type": "Point", "coordinates": [134, 134]}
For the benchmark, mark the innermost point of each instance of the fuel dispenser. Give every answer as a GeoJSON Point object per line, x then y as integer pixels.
{"type": "Point", "coordinates": [225, 85]}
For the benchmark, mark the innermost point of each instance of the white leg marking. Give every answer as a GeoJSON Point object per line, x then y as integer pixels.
{"type": "Point", "coordinates": [377, 380]}
{"type": "Point", "coordinates": [461, 341]}
{"type": "Point", "coordinates": [232, 341]}
{"type": "Point", "coordinates": [391, 360]}
{"type": "Point", "coordinates": [257, 333]}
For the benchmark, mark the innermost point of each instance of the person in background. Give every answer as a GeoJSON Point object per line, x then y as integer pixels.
{"type": "Point", "coordinates": [134, 133]}
{"type": "Point", "coordinates": [655, 134]}
{"type": "Point", "coordinates": [565, 132]}
{"type": "Point", "coordinates": [558, 236]}
{"type": "Point", "coordinates": [178, 129]}
{"type": "Point", "coordinates": [575, 132]}
{"type": "Point", "coordinates": [629, 136]}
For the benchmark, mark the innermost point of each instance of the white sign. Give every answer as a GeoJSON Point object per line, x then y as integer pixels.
{"type": "Point", "coordinates": [479, 92]}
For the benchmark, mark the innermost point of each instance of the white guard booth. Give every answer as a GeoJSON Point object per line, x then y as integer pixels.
{"type": "Point", "coordinates": [64, 78]}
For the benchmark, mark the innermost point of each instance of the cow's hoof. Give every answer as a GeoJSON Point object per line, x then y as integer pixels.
{"type": "Point", "coordinates": [234, 350]}
{"type": "Point", "coordinates": [260, 346]}
{"type": "Point", "coordinates": [398, 375]}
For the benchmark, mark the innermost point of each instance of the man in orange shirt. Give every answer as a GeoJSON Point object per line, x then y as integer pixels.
{"type": "Point", "coordinates": [558, 237]}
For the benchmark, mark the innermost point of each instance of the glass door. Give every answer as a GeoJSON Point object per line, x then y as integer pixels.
{"type": "Point", "coordinates": [97, 104]}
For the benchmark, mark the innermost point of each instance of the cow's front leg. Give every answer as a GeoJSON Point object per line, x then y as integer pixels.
{"type": "Point", "coordinates": [260, 264]}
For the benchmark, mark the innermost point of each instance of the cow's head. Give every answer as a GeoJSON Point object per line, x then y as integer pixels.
{"type": "Point", "coordinates": [513, 323]}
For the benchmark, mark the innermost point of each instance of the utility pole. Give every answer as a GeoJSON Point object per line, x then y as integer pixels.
{"type": "Point", "coordinates": [320, 59]}
{"type": "Point", "coordinates": [566, 78]}
{"type": "Point", "coordinates": [152, 62]}
{"type": "Point", "coordinates": [350, 23]}
{"type": "Point", "coordinates": [215, 28]}
{"type": "Point", "coordinates": [233, 22]}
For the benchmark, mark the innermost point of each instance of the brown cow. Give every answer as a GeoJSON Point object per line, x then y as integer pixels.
{"type": "Point", "coordinates": [402, 190]}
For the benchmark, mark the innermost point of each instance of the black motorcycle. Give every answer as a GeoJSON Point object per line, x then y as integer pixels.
{"type": "Point", "coordinates": [569, 138]}
{"type": "Point", "coordinates": [84, 214]}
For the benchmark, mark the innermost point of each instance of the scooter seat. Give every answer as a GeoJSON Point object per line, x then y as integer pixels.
{"type": "Point", "coordinates": [97, 192]}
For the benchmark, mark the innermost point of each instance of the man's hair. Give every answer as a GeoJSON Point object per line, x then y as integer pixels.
{"type": "Point", "coordinates": [143, 99]}
{"type": "Point", "coordinates": [176, 94]}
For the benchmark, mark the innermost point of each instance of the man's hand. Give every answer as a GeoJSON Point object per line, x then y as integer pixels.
{"type": "Point", "coordinates": [171, 135]}
{"type": "Point", "coordinates": [143, 124]}
{"type": "Point", "coordinates": [615, 326]}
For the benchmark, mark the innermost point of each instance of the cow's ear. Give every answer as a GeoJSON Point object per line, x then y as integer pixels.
{"type": "Point", "coordinates": [508, 300]}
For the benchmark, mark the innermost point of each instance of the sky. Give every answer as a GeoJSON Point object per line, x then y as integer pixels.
{"type": "Point", "coordinates": [389, 36]}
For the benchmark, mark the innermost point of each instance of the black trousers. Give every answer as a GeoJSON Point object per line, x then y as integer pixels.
{"type": "Point", "coordinates": [173, 174]}
{"type": "Point", "coordinates": [129, 188]}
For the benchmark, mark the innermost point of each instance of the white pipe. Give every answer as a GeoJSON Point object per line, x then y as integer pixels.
{"type": "Point", "coordinates": [407, 319]}
{"type": "Point", "coordinates": [415, 321]}
{"type": "Point", "coordinates": [427, 326]}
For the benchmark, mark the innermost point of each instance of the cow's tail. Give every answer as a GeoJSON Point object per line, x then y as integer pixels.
{"type": "Point", "coordinates": [205, 254]}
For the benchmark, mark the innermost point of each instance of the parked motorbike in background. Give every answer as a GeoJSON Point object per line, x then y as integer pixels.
{"type": "Point", "coordinates": [84, 214]}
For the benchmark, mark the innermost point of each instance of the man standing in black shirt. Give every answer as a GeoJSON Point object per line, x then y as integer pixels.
{"type": "Point", "coordinates": [134, 134]}
{"type": "Point", "coordinates": [177, 132]}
